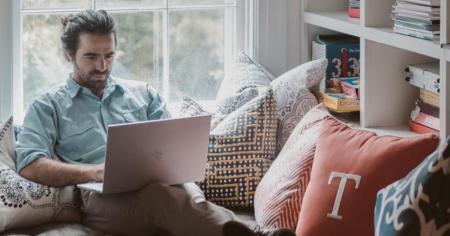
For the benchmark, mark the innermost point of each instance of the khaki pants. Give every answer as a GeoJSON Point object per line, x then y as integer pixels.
{"type": "Point", "coordinates": [181, 210]}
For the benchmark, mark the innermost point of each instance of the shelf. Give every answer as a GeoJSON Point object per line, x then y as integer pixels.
{"type": "Point", "coordinates": [388, 37]}
{"type": "Point", "coordinates": [352, 119]}
{"type": "Point", "coordinates": [337, 21]}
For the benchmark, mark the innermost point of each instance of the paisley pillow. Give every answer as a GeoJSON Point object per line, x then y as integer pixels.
{"type": "Point", "coordinates": [25, 203]}
{"type": "Point", "coordinates": [293, 96]}
{"type": "Point", "coordinates": [418, 204]}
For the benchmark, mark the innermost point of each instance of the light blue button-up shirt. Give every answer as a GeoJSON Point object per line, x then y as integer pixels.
{"type": "Point", "coordinates": [70, 122]}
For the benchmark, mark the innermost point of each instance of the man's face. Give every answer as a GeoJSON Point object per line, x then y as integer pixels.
{"type": "Point", "coordinates": [92, 62]}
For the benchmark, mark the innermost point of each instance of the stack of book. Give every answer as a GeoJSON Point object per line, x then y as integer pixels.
{"type": "Point", "coordinates": [345, 96]}
{"type": "Point", "coordinates": [417, 18]}
{"type": "Point", "coordinates": [340, 88]}
{"type": "Point", "coordinates": [425, 116]}
{"type": "Point", "coordinates": [353, 8]}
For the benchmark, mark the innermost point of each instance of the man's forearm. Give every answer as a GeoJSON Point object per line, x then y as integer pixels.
{"type": "Point", "coordinates": [58, 174]}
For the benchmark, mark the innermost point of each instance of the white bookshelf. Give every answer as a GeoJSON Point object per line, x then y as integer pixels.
{"type": "Point", "coordinates": [386, 98]}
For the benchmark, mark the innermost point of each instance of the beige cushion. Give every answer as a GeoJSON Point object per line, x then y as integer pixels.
{"type": "Point", "coordinates": [25, 203]}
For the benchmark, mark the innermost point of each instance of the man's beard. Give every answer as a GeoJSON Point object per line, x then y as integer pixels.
{"type": "Point", "coordinates": [89, 81]}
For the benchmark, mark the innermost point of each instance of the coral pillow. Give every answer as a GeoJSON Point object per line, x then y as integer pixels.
{"type": "Point", "coordinates": [279, 194]}
{"type": "Point", "coordinates": [350, 167]}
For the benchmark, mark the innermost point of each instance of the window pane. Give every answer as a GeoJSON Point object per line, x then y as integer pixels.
{"type": "Point", "coordinates": [55, 4]}
{"type": "Point", "coordinates": [200, 2]}
{"type": "Point", "coordinates": [129, 3]}
{"type": "Point", "coordinates": [196, 53]}
{"type": "Point", "coordinates": [44, 65]}
{"type": "Point", "coordinates": [139, 47]}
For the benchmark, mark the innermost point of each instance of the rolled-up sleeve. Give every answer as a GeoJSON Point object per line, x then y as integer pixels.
{"type": "Point", "coordinates": [38, 135]}
{"type": "Point", "coordinates": [157, 108]}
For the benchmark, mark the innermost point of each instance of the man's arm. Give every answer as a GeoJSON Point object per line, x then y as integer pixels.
{"type": "Point", "coordinates": [59, 174]}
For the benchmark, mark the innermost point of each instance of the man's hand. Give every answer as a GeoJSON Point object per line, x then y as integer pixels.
{"type": "Point", "coordinates": [96, 172]}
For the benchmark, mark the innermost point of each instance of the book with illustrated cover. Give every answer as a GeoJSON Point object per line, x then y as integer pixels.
{"type": "Point", "coordinates": [342, 52]}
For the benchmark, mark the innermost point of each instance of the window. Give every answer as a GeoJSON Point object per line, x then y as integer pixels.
{"type": "Point", "coordinates": [181, 47]}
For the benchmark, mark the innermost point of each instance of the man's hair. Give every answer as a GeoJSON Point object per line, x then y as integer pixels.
{"type": "Point", "coordinates": [88, 21]}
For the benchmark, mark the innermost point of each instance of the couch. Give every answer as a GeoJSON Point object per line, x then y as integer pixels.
{"type": "Point", "coordinates": [289, 132]}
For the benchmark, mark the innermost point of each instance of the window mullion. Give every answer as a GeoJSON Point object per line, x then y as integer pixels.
{"type": "Point", "coordinates": [166, 54]}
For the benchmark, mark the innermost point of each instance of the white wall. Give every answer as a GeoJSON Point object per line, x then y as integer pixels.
{"type": "Point", "coordinates": [6, 64]}
{"type": "Point", "coordinates": [278, 45]}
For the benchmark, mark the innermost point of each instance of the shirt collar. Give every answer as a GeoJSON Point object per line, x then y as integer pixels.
{"type": "Point", "coordinates": [111, 84]}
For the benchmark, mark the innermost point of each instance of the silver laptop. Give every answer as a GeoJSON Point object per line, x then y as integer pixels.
{"type": "Point", "coordinates": [170, 151]}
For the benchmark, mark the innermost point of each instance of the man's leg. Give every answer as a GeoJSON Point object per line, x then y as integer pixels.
{"type": "Point", "coordinates": [180, 210]}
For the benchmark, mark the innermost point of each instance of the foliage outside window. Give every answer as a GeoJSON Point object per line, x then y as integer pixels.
{"type": "Point", "coordinates": [179, 46]}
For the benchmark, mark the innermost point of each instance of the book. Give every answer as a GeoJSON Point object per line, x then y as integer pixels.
{"type": "Point", "coordinates": [418, 128]}
{"type": "Point", "coordinates": [416, 24]}
{"type": "Point", "coordinates": [425, 119]}
{"type": "Point", "coordinates": [427, 108]}
{"type": "Point", "coordinates": [342, 52]}
{"type": "Point", "coordinates": [424, 75]}
{"type": "Point", "coordinates": [415, 34]}
{"type": "Point", "coordinates": [436, 3]}
{"type": "Point", "coordinates": [400, 5]}
{"type": "Point", "coordinates": [339, 102]}
{"type": "Point", "coordinates": [353, 12]}
{"type": "Point", "coordinates": [426, 21]}
{"type": "Point", "coordinates": [429, 97]}
{"type": "Point", "coordinates": [350, 87]}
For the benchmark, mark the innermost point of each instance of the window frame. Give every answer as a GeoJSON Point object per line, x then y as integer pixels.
{"type": "Point", "coordinates": [11, 89]}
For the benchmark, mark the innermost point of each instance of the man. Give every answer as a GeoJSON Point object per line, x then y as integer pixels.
{"type": "Point", "coordinates": [64, 138]}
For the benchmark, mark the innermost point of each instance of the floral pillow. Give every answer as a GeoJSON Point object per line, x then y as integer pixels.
{"type": "Point", "coordinates": [25, 203]}
{"type": "Point", "coordinates": [418, 204]}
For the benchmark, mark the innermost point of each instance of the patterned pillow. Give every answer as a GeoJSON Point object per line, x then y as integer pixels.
{"type": "Point", "coordinates": [190, 107]}
{"type": "Point", "coordinates": [241, 150]}
{"type": "Point", "coordinates": [280, 193]}
{"type": "Point", "coordinates": [418, 204]}
{"type": "Point", "coordinates": [25, 203]}
{"type": "Point", "coordinates": [293, 98]}
{"type": "Point", "coordinates": [245, 73]}
{"type": "Point", "coordinates": [350, 167]}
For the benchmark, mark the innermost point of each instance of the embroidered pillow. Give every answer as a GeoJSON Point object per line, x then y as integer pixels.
{"type": "Point", "coordinates": [244, 73]}
{"type": "Point", "coordinates": [293, 98]}
{"type": "Point", "coordinates": [279, 195]}
{"type": "Point", "coordinates": [24, 203]}
{"type": "Point", "coordinates": [350, 167]}
{"type": "Point", "coordinates": [190, 107]}
{"type": "Point", "coordinates": [241, 150]}
{"type": "Point", "coordinates": [418, 204]}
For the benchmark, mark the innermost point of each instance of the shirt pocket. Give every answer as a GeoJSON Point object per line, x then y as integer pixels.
{"type": "Point", "coordinates": [134, 115]}
{"type": "Point", "coordinates": [78, 138]}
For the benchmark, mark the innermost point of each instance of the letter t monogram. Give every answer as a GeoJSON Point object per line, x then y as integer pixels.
{"type": "Point", "coordinates": [337, 202]}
